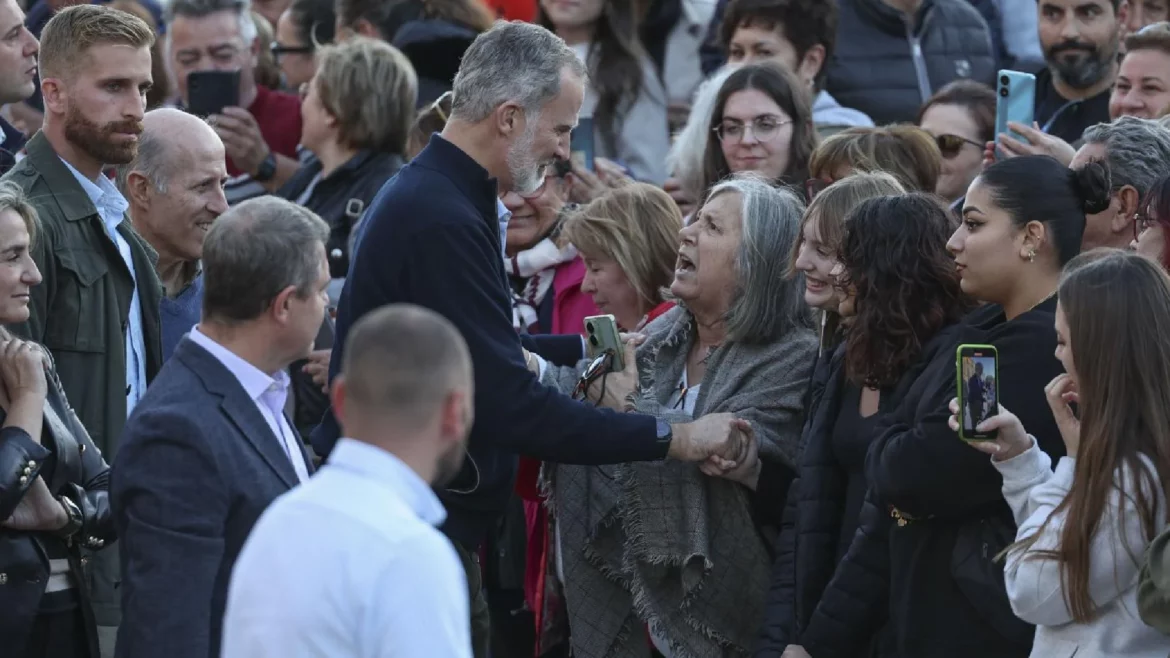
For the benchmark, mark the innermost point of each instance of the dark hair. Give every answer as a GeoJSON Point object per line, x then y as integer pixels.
{"type": "Point", "coordinates": [783, 88]}
{"type": "Point", "coordinates": [388, 16]}
{"type": "Point", "coordinates": [1156, 207]}
{"type": "Point", "coordinates": [906, 286]}
{"type": "Point", "coordinates": [1037, 188]}
{"type": "Point", "coordinates": [315, 21]}
{"type": "Point", "coordinates": [430, 119]}
{"type": "Point", "coordinates": [805, 23]}
{"type": "Point", "coordinates": [975, 97]}
{"type": "Point", "coordinates": [615, 68]}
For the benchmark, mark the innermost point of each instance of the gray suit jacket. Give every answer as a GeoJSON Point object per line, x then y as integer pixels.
{"type": "Point", "coordinates": [197, 466]}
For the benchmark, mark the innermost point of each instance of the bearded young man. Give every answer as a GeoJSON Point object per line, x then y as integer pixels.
{"type": "Point", "coordinates": [97, 310]}
{"type": "Point", "coordinates": [1080, 39]}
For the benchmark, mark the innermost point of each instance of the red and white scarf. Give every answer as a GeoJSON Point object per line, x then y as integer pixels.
{"type": "Point", "coordinates": [538, 267]}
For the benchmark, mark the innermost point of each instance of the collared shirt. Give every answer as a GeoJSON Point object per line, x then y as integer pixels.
{"type": "Point", "coordinates": [503, 215]}
{"type": "Point", "coordinates": [267, 393]}
{"type": "Point", "coordinates": [112, 207]}
{"type": "Point", "coordinates": [394, 587]}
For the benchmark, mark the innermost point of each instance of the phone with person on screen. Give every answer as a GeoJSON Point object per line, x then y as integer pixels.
{"type": "Point", "coordinates": [1015, 100]}
{"type": "Point", "coordinates": [977, 370]}
{"type": "Point", "coordinates": [601, 335]}
{"type": "Point", "coordinates": [208, 92]}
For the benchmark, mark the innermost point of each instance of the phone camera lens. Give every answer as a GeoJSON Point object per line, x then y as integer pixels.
{"type": "Point", "coordinates": [593, 341]}
{"type": "Point", "coordinates": [1003, 80]}
{"type": "Point", "coordinates": [589, 327]}
{"type": "Point", "coordinates": [1003, 92]}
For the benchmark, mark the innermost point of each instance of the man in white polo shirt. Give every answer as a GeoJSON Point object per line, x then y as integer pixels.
{"type": "Point", "coordinates": [385, 583]}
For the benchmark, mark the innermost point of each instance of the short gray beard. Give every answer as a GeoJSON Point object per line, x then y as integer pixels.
{"type": "Point", "coordinates": [522, 165]}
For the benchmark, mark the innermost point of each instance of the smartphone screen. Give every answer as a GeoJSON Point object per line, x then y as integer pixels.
{"type": "Point", "coordinates": [978, 374]}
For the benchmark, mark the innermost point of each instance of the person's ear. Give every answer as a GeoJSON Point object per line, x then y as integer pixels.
{"type": "Point", "coordinates": [810, 65]}
{"type": "Point", "coordinates": [1128, 199]}
{"type": "Point", "coordinates": [509, 119]}
{"type": "Point", "coordinates": [138, 188]}
{"type": "Point", "coordinates": [54, 95]}
{"type": "Point", "coordinates": [452, 418]}
{"type": "Point", "coordinates": [281, 307]}
{"type": "Point", "coordinates": [337, 389]}
{"type": "Point", "coordinates": [1034, 234]}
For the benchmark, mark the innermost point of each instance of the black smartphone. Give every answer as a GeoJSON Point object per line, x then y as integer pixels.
{"type": "Point", "coordinates": [208, 92]}
{"type": "Point", "coordinates": [977, 369]}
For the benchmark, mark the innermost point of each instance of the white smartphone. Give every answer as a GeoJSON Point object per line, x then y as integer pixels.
{"type": "Point", "coordinates": [601, 334]}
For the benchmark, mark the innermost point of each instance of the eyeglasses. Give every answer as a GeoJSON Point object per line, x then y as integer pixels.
{"type": "Point", "coordinates": [278, 49]}
{"type": "Point", "coordinates": [813, 187]}
{"type": "Point", "coordinates": [950, 145]}
{"type": "Point", "coordinates": [763, 127]}
{"type": "Point", "coordinates": [599, 367]}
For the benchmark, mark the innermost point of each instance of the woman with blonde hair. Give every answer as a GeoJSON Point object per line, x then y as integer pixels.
{"type": "Point", "coordinates": [628, 239]}
{"type": "Point", "coordinates": [907, 152]}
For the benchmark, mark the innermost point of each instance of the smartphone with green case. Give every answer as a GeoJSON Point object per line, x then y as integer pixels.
{"type": "Point", "coordinates": [977, 372]}
{"type": "Point", "coordinates": [601, 334]}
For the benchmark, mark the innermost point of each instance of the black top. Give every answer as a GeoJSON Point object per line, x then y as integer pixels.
{"type": "Point", "coordinates": [1063, 118]}
{"type": "Point", "coordinates": [432, 237]}
{"type": "Point", "coordinates": [852, 435]}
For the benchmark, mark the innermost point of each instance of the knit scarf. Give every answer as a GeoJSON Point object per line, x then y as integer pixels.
{"type": "Point", "coordinates": [538, 267]}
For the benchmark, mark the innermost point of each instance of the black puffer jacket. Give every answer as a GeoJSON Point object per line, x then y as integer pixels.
{"type": "Point", "coordinates": [886, 67]}
{"type": "Point", "coordinates": [930, 575]}
{"type": "Point", "coordinates": [813, 516]}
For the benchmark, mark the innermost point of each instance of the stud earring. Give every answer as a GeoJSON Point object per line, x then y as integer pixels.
{"type": "Point", "coordinates": [1032, 256]}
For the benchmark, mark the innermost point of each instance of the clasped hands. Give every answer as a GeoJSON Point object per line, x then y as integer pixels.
{"type": "Point", "coordinates": [22, 373]}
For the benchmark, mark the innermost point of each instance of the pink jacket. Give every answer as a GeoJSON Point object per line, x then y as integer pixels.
{"type": "Point", "coordinates": [570, 305]}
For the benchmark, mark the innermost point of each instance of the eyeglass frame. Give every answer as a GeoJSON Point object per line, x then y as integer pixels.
{"type": "Point", "coordinates": [599, 367]}
{"type": "Point", "coordinates": [958, 137]}
{"type": "Point", "coordinates": [718, 130]}
{"type": "Point", "coordinates": [277, 49]}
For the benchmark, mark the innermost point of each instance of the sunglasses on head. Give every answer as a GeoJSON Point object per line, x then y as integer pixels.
{"type": "Point", "coordinates": [950, 145]}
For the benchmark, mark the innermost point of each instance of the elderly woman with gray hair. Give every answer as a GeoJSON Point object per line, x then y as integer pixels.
{"type": "Point", "coordinates": [671, 547]}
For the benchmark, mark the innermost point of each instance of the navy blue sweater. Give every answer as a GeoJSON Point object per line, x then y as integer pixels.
{"type": "Point", "coordinates": [432, 238]}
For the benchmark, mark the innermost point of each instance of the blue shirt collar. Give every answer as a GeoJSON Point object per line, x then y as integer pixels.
{"type": "Point", "coordinates": [106, 198]}
{"type": "Point", "coordinates": [391, 472]}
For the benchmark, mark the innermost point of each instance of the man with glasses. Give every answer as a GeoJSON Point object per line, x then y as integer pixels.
{"type": "Point", "coordinates": [261, 133]}
{"type": "Point", "coordinates": [1137, 152]}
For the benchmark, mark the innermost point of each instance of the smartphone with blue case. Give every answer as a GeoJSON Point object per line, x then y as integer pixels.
{"type": "Point", "coordinates": [1015, 100]}
{"type": "Point", "coordinates": [581, 144]}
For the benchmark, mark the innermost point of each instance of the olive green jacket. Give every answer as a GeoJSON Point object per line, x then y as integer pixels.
{"type": "Point", "coordinates": [80, 313]}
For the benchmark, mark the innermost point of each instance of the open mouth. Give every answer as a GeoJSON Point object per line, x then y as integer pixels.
{"type": "Point", "coordinates": [815, 285]}
{"type": "Point", "coordinates": [685, 264]}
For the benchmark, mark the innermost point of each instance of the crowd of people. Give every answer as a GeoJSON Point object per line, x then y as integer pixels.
{"type": "Point", "coordinates": [309, 374]}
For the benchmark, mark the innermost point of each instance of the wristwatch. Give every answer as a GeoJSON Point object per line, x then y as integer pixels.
{"type": "Point", "coordinates": [266, 170]}
{"type": "Point", "coordinates": [73, 524]}
{"type": "Point", "coordinates": [665, 433]}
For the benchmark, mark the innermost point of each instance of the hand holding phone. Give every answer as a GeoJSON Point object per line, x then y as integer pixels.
{"type": "Point", "coordinates": [1011, 439]}
{"type": "Point", "coordinates": [1015, 101]}
{"type": "Point", "coordinates": [208, 92]}
{"type": "Point", "coordinates": [601, 334]}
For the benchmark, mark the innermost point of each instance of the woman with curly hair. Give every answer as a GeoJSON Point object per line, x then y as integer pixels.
{"type": "Point", "coordinates": [900, 294]}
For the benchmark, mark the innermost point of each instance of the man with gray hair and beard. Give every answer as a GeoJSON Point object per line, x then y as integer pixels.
{"type": "Point", "coordinates": [175, 190]}
{"type": "Point", "coordinates": [1137, 153]}
{"type": "Point", "coordinates": [404, 397]}
{"type": "Point", "coordinates": [434, 236]}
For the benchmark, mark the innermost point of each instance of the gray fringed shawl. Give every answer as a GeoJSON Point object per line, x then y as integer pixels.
{"type": "Point", "coordinates": [660, 543]}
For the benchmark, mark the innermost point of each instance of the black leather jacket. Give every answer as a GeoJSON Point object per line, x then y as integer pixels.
{"type": "Point", "coordinates": [79, 473]}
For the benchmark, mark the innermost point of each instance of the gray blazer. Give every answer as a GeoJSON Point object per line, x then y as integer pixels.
{"type": "Point", "coordinates": [197, 466]}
